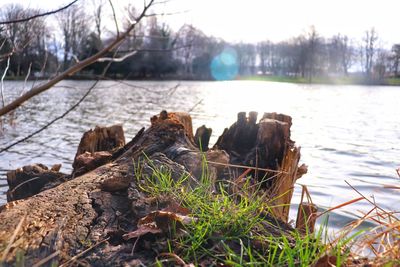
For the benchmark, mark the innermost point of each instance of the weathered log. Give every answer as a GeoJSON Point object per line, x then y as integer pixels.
{"type": "Point", "coordinates": [98, 207]}
{"type": "Point", "coordinates": [30, 180]}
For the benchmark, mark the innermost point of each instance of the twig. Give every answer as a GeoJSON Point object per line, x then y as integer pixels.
{"type": "Point", "coordinates": [195, 105]}
{"type": "Point", "coordinates": [26, 78]}
{"type": "Point", "coordinates": [134, 245]}
{"type": "Point", "coordinates": [74, 258]}
{"type": "Point", "coordinates": [174, 257]}
{"type": "Point", "coordinates": [340, 206]}
{"type": "Point", "coordinates": [38, 15]}
{"type": "Point", "coordinates": [374, 204]}
{"type": "Point", "coordinates": [25, 182]}
{"type": "Point", "coordinates": [51, 122]}
{"type": "Point", "coordinates": [2, 81]}
{"type": "Point", "coordinates": [45, 260]}
{"type": "Point", "coordinates": [12, 239]}
{"type": "Point", "coordinates": [114, 16]}
{"type": "Point", "coordinates": [118, 59]}
{"type": "Point", "coordinates": [244, 167]}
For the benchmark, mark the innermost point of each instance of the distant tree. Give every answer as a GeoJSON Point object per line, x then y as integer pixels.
{"type": "Point", "coordinates": [340, 54]}
{"type": "Point", "coordinates": [159, 42]}
{"type": "Point", "coordinates": [381, 65]}
{"type": "Point", "coordinates": [25, 41]}
{"type": "Point", "coordinates": [75, 30]}
{"type": "Point", "coordinates": [369, 40]}
{"type": "Point", "coordinates": [246, 54]}
{"type": "Point", "coordinates": [395, 59]}
{"type": "Point", "coordinates": [192, 43]}
{"type": "Point", "coordinates": [98, 13]}
{"type": "Point", "coordinates": [264, 51]}
{"type": "Point", "coordinates": [312, 50]}
{"type": "Point", "coordinates": [201, 66]}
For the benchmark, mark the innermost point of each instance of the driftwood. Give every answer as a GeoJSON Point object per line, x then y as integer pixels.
{"type": "Point", "coordinates": [88, 214]}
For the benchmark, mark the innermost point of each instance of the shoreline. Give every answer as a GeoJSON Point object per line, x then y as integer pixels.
{"type": "Point", "coordinates": [273, 78]}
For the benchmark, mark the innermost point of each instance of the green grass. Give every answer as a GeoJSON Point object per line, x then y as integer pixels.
{"type": "Point", "coordinates": [230, 228]}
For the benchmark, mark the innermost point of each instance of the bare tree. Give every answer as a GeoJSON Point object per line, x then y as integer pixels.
{"type": "Point", "coordinates": [396, 59]}
{"type": "Point", "coordinates": [340, 54]}
{"type": "Point", "coordinates": [98, 13]}
{"type": "Point", "coordinates": [369, 40]}
{"type": "Point", "coordinates": [312, 46]}
{"type": "Point", "coordinates": [26, 40]}
{"type": "Point", "coordinates": [264, 50]}
{"type": "Point", "coordinates": [74, 26]}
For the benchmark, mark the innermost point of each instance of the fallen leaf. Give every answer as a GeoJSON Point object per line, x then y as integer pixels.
{"type": "Point", "coordinates": [158, 222]}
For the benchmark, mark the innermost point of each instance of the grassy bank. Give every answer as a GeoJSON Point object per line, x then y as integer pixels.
{"type": "Point", "coordinates": [213, 224]}
{"type": "Point", "coordinates": [350, 80]}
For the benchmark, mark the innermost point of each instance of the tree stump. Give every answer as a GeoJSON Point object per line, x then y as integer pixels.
{"type": "Point", "coordinates": [97, 147]}
{"type": "Point", "coordinates": [89, 214]}
{"type": "Point", "coordinates": [30, 180]}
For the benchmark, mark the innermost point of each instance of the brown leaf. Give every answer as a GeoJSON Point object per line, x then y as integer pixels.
{"type": "Point", "coordinates": [142, 230]}
{"type": "Point", "coordinates": [325, 261]}
{"type": "Point", "coordinates": [166, 220]}
{"type": "Point", "coordinates": [159, 222]}
{"type": "Point", "coordinates": [175, 207]}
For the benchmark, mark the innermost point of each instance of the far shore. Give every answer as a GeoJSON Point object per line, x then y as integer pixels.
{"type": "Point", "coordinates": [343, 80]}
{"type": "Point", "coordinates": [349, 80]}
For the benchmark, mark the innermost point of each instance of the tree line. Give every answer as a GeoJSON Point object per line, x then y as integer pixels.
{"type": "Point", "coordinates": [43, 46]}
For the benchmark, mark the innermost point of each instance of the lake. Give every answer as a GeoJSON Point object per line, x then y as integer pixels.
{"type": "Point", "coordinates": [346, 133]}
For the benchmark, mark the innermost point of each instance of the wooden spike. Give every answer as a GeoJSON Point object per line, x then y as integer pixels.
{"type": "Point", "coordinates": [306, 217]}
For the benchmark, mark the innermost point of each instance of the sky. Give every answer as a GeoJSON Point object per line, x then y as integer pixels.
{"type": "Point", "coordinates": [276, 20]}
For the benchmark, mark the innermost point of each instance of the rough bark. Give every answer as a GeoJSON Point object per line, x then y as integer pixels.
{"type": "Point", "coordinates": [96, 209]}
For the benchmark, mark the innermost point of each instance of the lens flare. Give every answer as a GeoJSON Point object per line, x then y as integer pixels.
{"type": "Point", "coordinates": [225, 65]}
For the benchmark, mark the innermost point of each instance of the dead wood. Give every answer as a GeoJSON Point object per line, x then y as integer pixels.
{"type": "Point", "coordinates": [102, 205]}
{"type": "Point", "coordinates": [30, 180]}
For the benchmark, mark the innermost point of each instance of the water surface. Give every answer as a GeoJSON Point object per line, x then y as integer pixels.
{"type": "Point", "coordinates": [346, 133]}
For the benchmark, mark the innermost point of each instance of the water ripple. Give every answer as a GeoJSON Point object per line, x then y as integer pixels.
{"type": "Point", "coordinates": [346, 132]}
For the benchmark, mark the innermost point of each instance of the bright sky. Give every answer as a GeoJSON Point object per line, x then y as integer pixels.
{"type": "Point", "coordinates": [256, 20]}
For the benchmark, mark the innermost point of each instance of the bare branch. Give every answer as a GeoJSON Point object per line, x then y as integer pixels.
{"type": "Point", "coordinates": [26, 78]}
{"type": "Point", "coordinates": [2, 81]}
{"type": "Point", "coordinates": [52, 121]}
{"type": "Point", "coordinates": [72, 70]}
{"type": "Point", "coordinates": [38, 15]}
{"type": "Point", "coordinates": [118, 59]}
{"type": "Point", "coordinates": [114, 16]}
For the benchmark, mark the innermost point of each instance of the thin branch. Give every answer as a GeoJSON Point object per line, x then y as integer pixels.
{"type": "Point", "coordinates": [156, 50]}
{"type": "Point", "coordinates": [51, 122]}
{"type": "Point", "coordinates": [48, 258]}
{"type": "Point", "coordinates": [38, 15]}
{"type": "Point", "coordinates": [2, 82]}
{"type": "Point", "coordinates": [118, 59]}
{"type": "Point", "coordinates": [367, 199]}
{"type": "Point", "coordinates": [114, 16]}
{"type": "Point", "coordinates": [244, 167]}
{"type": "Point", "coordinates": [67, 263]}
{"type": "Point", "coordinates": [26, 78]}
{"type": "Point", "coordinates": [12, 239]}
{"type": "Point", "coordinates": [195, 105]}
{"type": "Point", "coordinates": [72, 70]}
